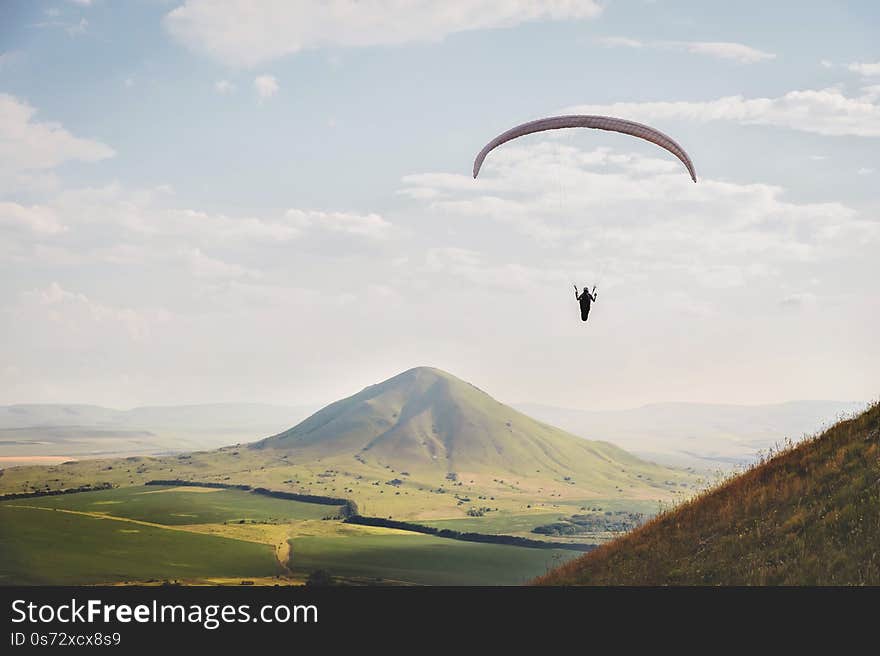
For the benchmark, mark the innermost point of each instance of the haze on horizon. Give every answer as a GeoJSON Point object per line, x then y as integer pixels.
{"type": "Point", "coordinates": [199, 208]}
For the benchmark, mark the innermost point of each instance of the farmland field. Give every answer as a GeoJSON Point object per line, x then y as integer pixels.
{"type": "Point", "coordinates": [154, 532]}
{"type": "Point", "coordinates": [423, 559]}
{"type": "Point", "coordinates": [42, 547]}
{"type": "Point", "coordinates": [185, 505]}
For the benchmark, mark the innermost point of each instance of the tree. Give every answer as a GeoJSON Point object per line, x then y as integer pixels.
{"type": "Point", "coordinates": [320, 578]}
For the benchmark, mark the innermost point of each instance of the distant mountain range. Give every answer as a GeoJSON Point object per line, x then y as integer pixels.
{"type": "Point", "coordinates": [72, 430]}
{"type": "Point", "coordinates": [699, 435]}
{"type": "Point", "coordinates": [703, 436]}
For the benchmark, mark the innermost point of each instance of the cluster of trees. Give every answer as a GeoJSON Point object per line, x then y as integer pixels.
{"type": "Point", "coordinates": [347, 506]}
{"type": "Point", "coordinates": [618, 522]}
{"type": "Point", "coordinates": [52, 493]}
{"type": "Point", "coordinates": [512, 540]}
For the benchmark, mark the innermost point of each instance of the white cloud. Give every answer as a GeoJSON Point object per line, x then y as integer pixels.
{"type": "Point", "coordinates": [78, 28]}
{"type": "Point", "coordinates": [204, 266]}
{"type": "Point", "coordinates": [244, 33]}
{"type": "Point", "coordinates": [128, 82]}
{"type": "Point", "coordinates": [864, 68]}
{"type": "Point", "coordinates": [865, 170]}
{"type": "Point", "coordinates": [825, 63]}
{"type": "Point", "coordinates": [266, 86]}
{"type": "Point", "coordinates": [470, 266]}
{"type": "Point", "coordinates": [82, 3]}
{"type": "Point", "coordinates": [620, 41]}
{"type": "Point", "coordinates": [798, 300]}
{"type": "Point", "coordinates": [725, 50]}
{"type": "Point", "coordinates": [365, 225]}
{"type": "Point", "coordinates": [737, 52]}
{"type": "Point", "coordinates": [81, 316]}
{"type": "Point", "coordinates": [825, 111]}
{"type": "Point", "coordinates": [224, 86]}
{"type": "Point", "coordinates": [641, 210]}
{"type": "Point", "coordinates": [37, 219]}
{"type": "Point", "coordinates": [27, 145]}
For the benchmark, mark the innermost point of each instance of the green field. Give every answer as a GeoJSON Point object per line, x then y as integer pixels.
{"type": "Point", "coordinates": [45, 547]}
{"type": "Point", "coordinates": [423, 559]}
{"type": "Point", "coordinates": [185, 505]}
{"type": "Point", "coordinates": [195, 534]}
{"type": "Point", "coordinates": [498, 523]}
{"type": "Point", "coordinates": [522, 523]}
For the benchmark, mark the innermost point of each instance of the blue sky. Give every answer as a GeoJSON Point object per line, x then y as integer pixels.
{"type": "Point", "coordinates": [271, 201]}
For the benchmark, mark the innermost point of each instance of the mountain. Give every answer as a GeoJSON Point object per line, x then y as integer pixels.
{"type": "Point", "coordinates": [426, 420]}
{"type": "Point", "coordinates": [700, 435]}
{"type": "Point", "coordinates": [808, 516]}
{"type": "Point", "coordinates": [70, 430]}
{"type": "Point", "coordinates": [422, 445]}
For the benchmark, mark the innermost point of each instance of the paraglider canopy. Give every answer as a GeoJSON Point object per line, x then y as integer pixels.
{"type": "Point", "coordinates": [589, 121]}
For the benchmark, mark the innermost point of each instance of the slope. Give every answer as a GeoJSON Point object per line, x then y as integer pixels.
{"type": "Point", "coordinates": [808, 516]}
{"type": "Point", "coordinates": [426, 420]}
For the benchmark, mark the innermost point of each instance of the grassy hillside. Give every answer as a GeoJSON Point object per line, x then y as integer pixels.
{"type": "Point", "coordinates": [421, 559]}
{"type": "Point", "coordinates": [46, 547]}
{"type": "Point", "coordinates": [808, 516]}
{"type": "Point", "coordinates": [426, 420]}
{"type": "Point", "coordinates": [209, 535]}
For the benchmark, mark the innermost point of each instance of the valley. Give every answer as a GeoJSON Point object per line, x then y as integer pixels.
{"type": "Point", "coordinates": [422, 447]}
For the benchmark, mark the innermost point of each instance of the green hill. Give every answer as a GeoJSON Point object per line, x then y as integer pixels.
{"type": "Point", "coordinates": [421, 445]}
{"type": "Point", "coordinates": [808, 516]}
{"type": "Point", "coordinates": [426, 420]}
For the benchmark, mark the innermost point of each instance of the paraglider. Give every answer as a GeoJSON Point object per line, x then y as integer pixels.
{"type": "Point", "coordinates": [587, 121]}
{"type": "Point", "coordinates": [609, 123]}
{"type": "Point", "coordinates": [585, 298]}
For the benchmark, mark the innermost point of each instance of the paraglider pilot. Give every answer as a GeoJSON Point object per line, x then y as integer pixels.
{"type": "Point", "coordinates": [585, 298]}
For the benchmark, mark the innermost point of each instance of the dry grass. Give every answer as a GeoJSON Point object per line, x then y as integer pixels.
{"type": "Point", "coordinates": [804, 515]}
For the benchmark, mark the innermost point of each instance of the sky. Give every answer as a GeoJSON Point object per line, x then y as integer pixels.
{"type": "Point", "coordinates": [212, 201]}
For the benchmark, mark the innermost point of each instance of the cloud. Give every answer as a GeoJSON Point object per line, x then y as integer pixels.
{"type": "Point", "coordinates": [865, 170]}
{"type": "Point", "coordinates": [27, 146]}
{"type": "Point", "coordinates": [244, 33]}
{"type": "Point", "coordinates": [204, 266]}
{"type": "Point", "coordinates": [8, 58]}
{"type": "Point", "coordinates": [798, 300]}
{"type": "Point", "coordinates": [36, 219]}
{"type": "Point", "coordinates": [603, 207]}
{"type": "Point", "coordinates": [364, 225]}
{"type": "Point", "coordinates": [726, 50]}
{"type": "Point", "coordinates": [866, 69]}
{"type": "Point", "coordinates": [224, 86]}
{"type": "Point", "coordinates": [737, 52]}
{"type": "Point", "coordinates": [79, 315]}
{"type": "Point", "coordinates": [825, 63]}
{"type": "Point", "coordinates": [266, 86]}
{"type": "Point", "coordinates": [470, 266]}
{"type": "Point", "coordinates": [826, 111]}
{"type": "Point", "coordinates": [78, 28]}
{"type": "Point", "coordinates": [137, 227]}
{"type": "Point", "coordinates": [620, 41]}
